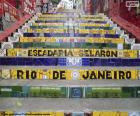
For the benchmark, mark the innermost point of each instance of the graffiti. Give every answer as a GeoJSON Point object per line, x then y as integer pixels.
{"type": "Point", "coordinates": [132, 4]}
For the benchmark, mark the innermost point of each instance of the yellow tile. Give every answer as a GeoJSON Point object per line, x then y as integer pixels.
{"type": "Point", "coordinates": [5, 73]}
{"type": "Point", "coordinates": [59, 114]}
{"type": "Point", "coordinates": [11, 52]}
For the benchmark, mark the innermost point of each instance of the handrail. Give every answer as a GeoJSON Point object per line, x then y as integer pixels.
{"type": "Point", "coordinates": [13, 28]}
{"type": "Point", "coordinates": [9, 4]}
{"type": "Point", "coordinates": [11, 9]}
{"type": "Point", "coordinates": [128, 26]}
{"type": "Point", "coordinates": [1, 8]}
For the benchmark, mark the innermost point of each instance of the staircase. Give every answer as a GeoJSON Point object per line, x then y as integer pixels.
{"type": "Point", "coordinates": [74, 64]}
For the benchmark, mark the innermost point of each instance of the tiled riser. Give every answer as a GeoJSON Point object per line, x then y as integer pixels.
{"type": "Point", "coordinates": [70, 92]}
{"type": "Point", "coordinates": [68, 113]}
{"type": "Point", "coordinates": [114, 62]}
{"type": "Point", "coordinates": [60, 73]}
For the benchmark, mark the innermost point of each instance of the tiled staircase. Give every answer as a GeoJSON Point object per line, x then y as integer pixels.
{"type": "Point", "coordinates": [69, 56]}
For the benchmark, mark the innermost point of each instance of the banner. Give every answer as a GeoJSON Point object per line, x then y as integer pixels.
{"type": "Point", "coordinates": [67, 74]}
{"type": "Point", "coordinates": [105, 53]}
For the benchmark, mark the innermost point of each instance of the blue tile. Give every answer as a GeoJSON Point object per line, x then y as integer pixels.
{"type": "Point", "coordinates": [112, 35]}
{"type": "Point", "coordinates": [118, 64]}
{"type": "Point", "coordinates": [63, 61]}
{"type": "Point", "coordinates": [115, 60]}
{"type": "Point", "coordinates": [76, 92]}
{"type": "Point", "coordinates": [111, 64]}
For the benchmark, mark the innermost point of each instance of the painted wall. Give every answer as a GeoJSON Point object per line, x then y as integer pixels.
{"type": "Point", "coordinates": [12, 2]}
{"type": "Point", "coordinates": [88, 6]}
{"type": "Point", "coordinates": [114, 8]}
{"type": "Point", "coordinates": [1, 8]}
{"type": "Point", "coordinates": [130, 14]}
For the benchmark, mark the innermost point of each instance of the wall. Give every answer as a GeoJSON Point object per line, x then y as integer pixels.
{"type": "Point", "coordinates": [127, 19]}
{"type": "Point", "coordinates": [1, 9]}
{"type": "Point", "coordinates": [129, 14]}
{"type": "Point", "coordinates": [12, 2]}
{"type": "Point", "coordinates": [88, 6]}
{"type": "Point", "coordinates": [114, 8]}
